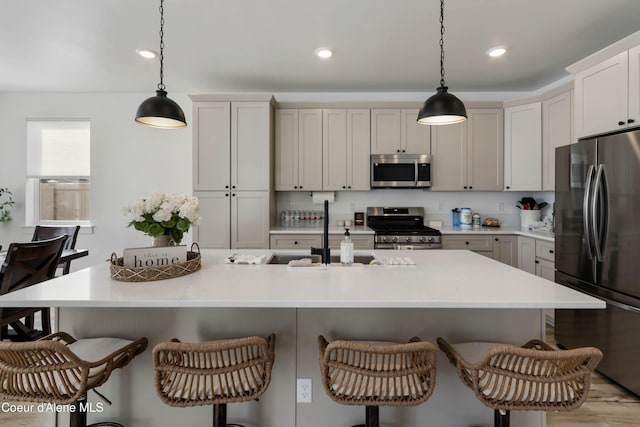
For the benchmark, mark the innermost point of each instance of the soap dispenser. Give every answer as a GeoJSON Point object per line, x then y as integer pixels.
{"type": "Point", "coordinates": [346, 249]}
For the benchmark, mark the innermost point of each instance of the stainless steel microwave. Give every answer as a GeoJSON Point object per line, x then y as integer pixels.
{"type": "Point", "coordinates": [400, 170]}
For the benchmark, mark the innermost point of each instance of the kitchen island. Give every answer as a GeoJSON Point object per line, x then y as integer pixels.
{"type": "Point", "coordinates": [459, 295]}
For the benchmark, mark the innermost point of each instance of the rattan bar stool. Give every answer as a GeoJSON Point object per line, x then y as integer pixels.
{"type": "Point", "coordinates": [59, 369]}
{"type": "Point", "coordinates": [213, 373]}
{"type": "Point", "coordinates": [373, 374]}
{"type": "Point", "coordinates": [534, 377]}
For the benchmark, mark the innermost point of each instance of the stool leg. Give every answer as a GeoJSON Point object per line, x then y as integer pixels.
{"type": "Point", "coordinates": [373, 416]}
{"type": "Point", "coordinates": [78, 418]}
{"type": "Point", "coordinates": [220, 415]}
{"type": "Point", "coordinates": [500, 419]}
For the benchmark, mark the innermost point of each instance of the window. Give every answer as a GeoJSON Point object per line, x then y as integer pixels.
{"type": "Point", "coordinates": [58, 171]}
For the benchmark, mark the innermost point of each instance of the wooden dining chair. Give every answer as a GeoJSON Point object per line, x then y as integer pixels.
{"type": "Point", "coordinates": [42, 232]}
{"type": "Point", "coordinates": [27, 264]}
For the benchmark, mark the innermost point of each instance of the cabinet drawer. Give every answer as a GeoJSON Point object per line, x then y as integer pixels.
{"type": "Point", "coordinates": [359, 241]}
{"type": "Point", "coordinates": [295, 241]}
{"type": "Point", "coordinates": [545, 250]}
{"type": "Point", "coordinates": [472, 243]}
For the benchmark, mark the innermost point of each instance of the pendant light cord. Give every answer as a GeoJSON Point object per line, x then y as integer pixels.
{"type": "Point", "coordinates": [442, 43]}
{"type": "Point", "coordinates": [161, 84]}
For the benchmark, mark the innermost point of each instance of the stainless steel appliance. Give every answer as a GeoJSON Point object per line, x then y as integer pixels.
{"type": "Point", "coordinates": [402, 228]}
{"type": "Point", "coordinates": [597, 215]}
{"type": "Point", "coordinates": [400, 170]}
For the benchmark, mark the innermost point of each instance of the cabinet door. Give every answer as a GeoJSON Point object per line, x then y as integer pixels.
{"type": "Point", "coordinates": [286, 148]}
{"type": "Point", "coordinates": [385, 131]}
{"type": "Point", "coordinates": [485, 154]}
{"type": "Point", "coordinates": [250, 146]}
{"type": "Point", "coordinates": [358, 150]}
{"type": "Point", "coordinates": [523, 147]}
{"type": "Point", "coordinates": [545, 269]}
{"type": "Point", "coordinates": [414, 137]}
{"type": "Point", "coordinates": [545, 250]}
{"type": "Point", "coordinates": [213, 231]}
{"type": "Point", "coordinates": [302, 241]}
{"type": "Point", "coordinates": [601, 96]}
{"type": "Point", "coordinates": [250, 220]}
{"type": "Point", "coordinates": [449, 151]}
{"type": "Point", "coordinates": [211, 146]}
{"type": "Point", "coordinates": [310, 150]}
{"type": "Point", "coordinates": [471, 242]}
{"type": "Point", "coordinates": [633, 118]}
{"type": "Point", "coordinates": [334, 149]}
{"type": "Point", "coordinates": [527, 254]}
{"type": "Point", "coordinates": [505, 250]}
{"type": "Point", "coordinates": [557, 127]}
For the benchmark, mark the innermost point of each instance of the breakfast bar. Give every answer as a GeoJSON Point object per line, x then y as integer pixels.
{"type": "Point", "coordinates": [456, 294]}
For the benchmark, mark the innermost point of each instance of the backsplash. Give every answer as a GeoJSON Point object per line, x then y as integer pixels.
{"type": "Point", "coordinates": [438, 205]}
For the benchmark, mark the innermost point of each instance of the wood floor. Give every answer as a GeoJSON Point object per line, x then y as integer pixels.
{"type": "Point", "coordinates": [607, 406]}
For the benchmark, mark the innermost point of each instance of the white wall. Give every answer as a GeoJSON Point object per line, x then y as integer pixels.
{"type": "Point", "coordinates": [128, 161]}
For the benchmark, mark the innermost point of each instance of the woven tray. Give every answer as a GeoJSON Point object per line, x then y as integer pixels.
{"type": "Point", "coordinates": [148, 274]}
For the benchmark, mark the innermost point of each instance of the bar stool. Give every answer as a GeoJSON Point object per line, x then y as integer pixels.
{"type": "Point", "coordinates": [213, 373]}
{"type": "Point", "coordinates": [59, 369]}
{"type": "Point", "coordinates": [534, 377]}
{"type": "Point", "coordinates": [374, 374]}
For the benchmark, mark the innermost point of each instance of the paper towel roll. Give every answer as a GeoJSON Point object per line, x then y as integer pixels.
{"type": "Point", "coordinates": [321, 196]}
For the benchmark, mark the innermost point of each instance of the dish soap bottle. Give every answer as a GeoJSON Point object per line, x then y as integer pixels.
{"type": "Point", "coordinates": [346, 249]}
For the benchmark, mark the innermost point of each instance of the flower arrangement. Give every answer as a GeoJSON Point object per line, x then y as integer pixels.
{"type": "Point", "coordinates": [163, 214]}
{"type": "Point", "coordinates": [6, 201]}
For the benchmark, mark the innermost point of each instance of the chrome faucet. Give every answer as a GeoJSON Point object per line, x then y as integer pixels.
{"type": "Point", "coordinates": [325, 252]}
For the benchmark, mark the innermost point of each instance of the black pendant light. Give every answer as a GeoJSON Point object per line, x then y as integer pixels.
{"type": "Point", "coordinates": [442, 108]}
{"type": "Point", "coordinates": [159, 111]}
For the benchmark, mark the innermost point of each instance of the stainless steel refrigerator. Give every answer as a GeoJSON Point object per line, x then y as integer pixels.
{"type": "Point", "coordinates": [597, 213]}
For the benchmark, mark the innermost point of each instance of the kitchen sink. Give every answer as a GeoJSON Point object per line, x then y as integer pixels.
{"type": "Point", "coordinates": [316, 259]}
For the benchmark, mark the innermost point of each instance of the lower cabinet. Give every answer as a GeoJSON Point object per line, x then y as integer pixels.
{"type": "Point", "coordinates": [307, 241]}
{"type": "Point", "coordinates": [502, 248]}
{"type": "Point", "coordinates": [537, 257]}
{"type": "Point", "coordinates": [233, 220]}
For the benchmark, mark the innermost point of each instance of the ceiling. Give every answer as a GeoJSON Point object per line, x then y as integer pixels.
{"type": "Point", "coordinates": [267, 45]}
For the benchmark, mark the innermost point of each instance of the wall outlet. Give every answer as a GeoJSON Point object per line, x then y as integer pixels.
{"type": "Point", "coordinates": [303, 393]}
{"type": "Point", "coordinates": [441, 207]}
{"type": "Point", "coordinates": [500, 207]}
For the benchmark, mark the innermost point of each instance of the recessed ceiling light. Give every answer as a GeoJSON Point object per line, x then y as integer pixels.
{"type": "Point", "coordinates": [496, 51]}
{"type": "Point", "coordinates": [324, 52]}
{"type": "Point", "coordinates": [147, 53]}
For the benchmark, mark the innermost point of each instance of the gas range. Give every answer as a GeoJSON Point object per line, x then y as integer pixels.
{"type": "Point", "coordinates": [402, 228]}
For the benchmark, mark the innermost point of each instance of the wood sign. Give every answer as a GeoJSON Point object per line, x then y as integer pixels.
{"type": "Point", "coordinates": [154, 256]}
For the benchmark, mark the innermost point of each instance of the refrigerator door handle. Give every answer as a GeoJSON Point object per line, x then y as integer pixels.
{"type": "Point", "coordinates": [586, 213]}
{"type": "Point", "coordinates": [600, 217]}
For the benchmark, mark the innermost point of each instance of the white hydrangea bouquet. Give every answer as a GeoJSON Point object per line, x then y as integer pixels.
{"type": "Point", "coordinates": [163, 214]}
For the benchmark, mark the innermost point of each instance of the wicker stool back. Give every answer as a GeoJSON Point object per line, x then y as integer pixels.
{"type": "Point", "coordinates": [534, 377]}
{"type": "Point", "coordinates": [213, 373]}
{"type": "Point", "coordinates": [374, 375]}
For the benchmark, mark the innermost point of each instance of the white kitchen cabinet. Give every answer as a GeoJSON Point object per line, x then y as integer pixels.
{"type": "Point", "coordinates": [546, 269]}
{"type": "Point", "coordinates": [231, 146]}
{"type": "Point", "coordinates": [527, 254]}
{"type": "Point", "coordinates": [233, 220]}
{"type": "Point", "coordinates": [523, 147]}
{"type": "Point", "coordinates": [606, 95]}
{"type": "Point", "coordinates": [346, 135]}
{"type": "Point", "coordinates": [469, 155]}
{"type": "Point", "coordinates": [505, 249]}
{"type": "Point", "coordinates": [298, 149]}
{"type": "Point", "coordinates": [557, 130]}
{"type": "Point", "coordinates": [502, 247]}
{"type": "Point", "coordinates": [536, 256]}
{"type": "Point", "coordinates": [307, 241]}
{"type": "Point", "coordinates": [395, 131]}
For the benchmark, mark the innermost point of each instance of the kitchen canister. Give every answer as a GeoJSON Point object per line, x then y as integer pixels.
{"type": "Point", "coordinates": [528, 217]}
{"type": "Point", "coordinates": [465, 217]}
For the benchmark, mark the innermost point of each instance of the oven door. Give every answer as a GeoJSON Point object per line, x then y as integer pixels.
{"type": "Point", "coordinates": [400, 171]}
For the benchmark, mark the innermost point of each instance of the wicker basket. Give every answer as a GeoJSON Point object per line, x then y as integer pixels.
{"type": "Point", "coordinates": [148, 274]}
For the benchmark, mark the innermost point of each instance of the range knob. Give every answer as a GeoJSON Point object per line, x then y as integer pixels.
{"type": "Point", "coordinates": [407, 239]}
{"type": "Point", "coordinates": [432, 239]}
{"type": "Point", "coordinates": [385, 239]}
{"type": "Point", "coordinates": [395, 239]}
{"type": "Point", "coordinates": [423, 239]}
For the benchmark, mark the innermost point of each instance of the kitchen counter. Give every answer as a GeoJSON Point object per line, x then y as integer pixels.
{"type": "Point", "coordinates": [548, 236]}
{"type": "Point", "coordinates": [333, 229]}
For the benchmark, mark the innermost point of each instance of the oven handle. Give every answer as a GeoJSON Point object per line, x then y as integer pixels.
{"type": "Point", "coordinates": [415, 168]}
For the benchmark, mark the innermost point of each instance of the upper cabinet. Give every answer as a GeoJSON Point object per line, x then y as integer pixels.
{"type": "Point", "coordinates": [607, 95]}
{"type": "Point", "coordinates": [557, 130]}
{"type": "Point", "coordinates": [298, 147]}
{"type": "Point", "coordinates": [346, 136]}
{"type": "Point", "coordinates": [468, 156]}
{"type": "Point", "coordinates": [395, 131]}
{"type": "Point", "coordinates": [523, 147]}
{"type": "Point", "coordinates": [228, 139]}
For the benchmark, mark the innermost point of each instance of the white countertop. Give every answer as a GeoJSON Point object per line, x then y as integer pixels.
{"type": "Point", "coordinates": [440, 279]}
{"type": "Point", "coordinates": [334, 229]}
